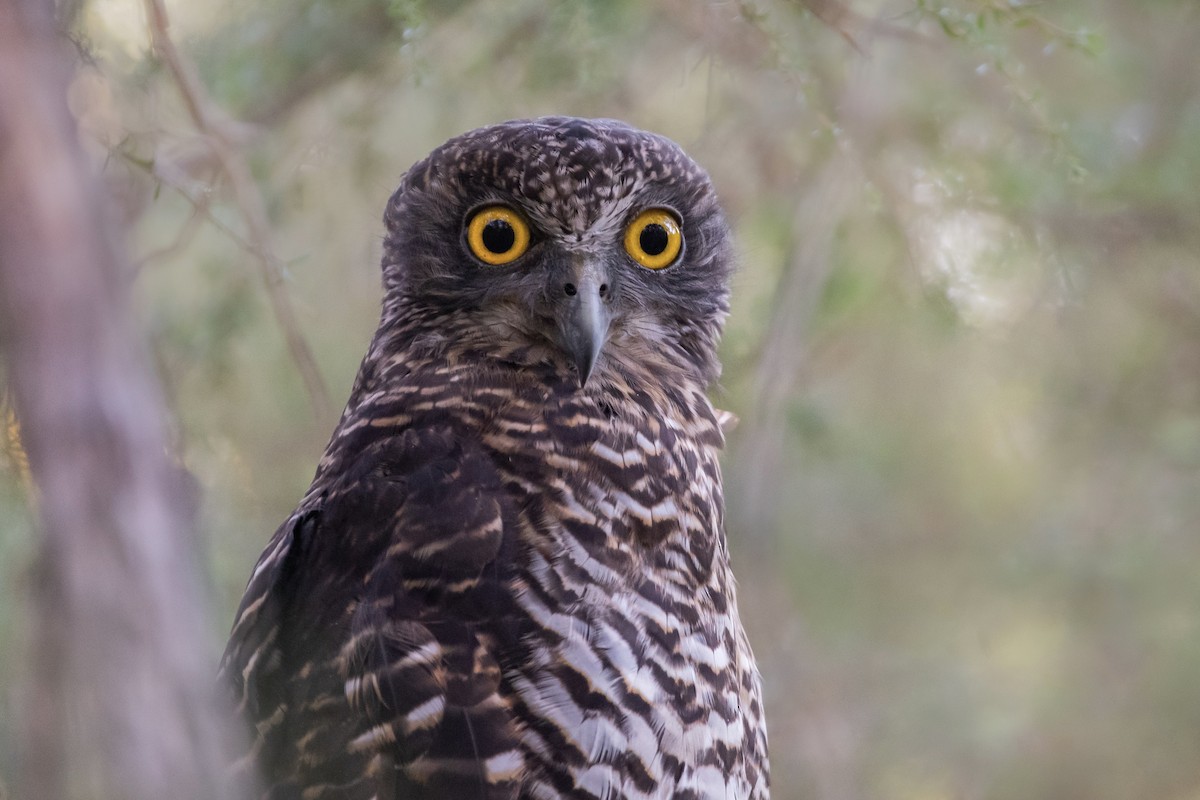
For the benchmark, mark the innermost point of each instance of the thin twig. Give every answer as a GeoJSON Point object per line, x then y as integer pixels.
{"type": "Point", "coordinates": [214, 125]}
{"type": "Point", "coordinates": [200, 205]}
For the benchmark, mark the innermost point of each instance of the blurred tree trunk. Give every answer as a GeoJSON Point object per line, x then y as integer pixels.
{"type": "Point", "coordinates": [121, 699]}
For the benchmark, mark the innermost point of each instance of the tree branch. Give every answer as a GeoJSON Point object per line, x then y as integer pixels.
{"type": "Point", "coordinates": [215, 127]}
{"type": "Point", "coordinates": [121, 699]}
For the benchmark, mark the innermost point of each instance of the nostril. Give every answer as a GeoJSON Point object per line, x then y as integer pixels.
{"type": "Point", "coordinates": [604, 290]}
{"type": "Point", "coordinates": [570, 289]}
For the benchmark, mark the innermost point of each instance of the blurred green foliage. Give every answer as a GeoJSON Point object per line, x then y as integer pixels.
{"type": "Point", "coordinates": [965, 344]}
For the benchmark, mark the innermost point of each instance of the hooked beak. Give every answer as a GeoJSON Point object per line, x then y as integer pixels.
{"type": "Point", "coordinates": [584, 317]}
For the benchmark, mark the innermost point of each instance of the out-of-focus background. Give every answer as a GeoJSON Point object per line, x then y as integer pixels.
{"type": "Point", "coordinates": [964, 495]}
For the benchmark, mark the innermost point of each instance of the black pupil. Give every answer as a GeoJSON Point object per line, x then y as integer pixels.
{"type": "Point", "coordinates": [653, 239]}
{"type": "Point", "coordinates": [499, 236]}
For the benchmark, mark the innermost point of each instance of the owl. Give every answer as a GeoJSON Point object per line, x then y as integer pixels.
{"type": "Point", "coordinates": [510, 578]}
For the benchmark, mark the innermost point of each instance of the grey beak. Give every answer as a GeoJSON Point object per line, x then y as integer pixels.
{"type": "Point", "coordinates": [585, 317]}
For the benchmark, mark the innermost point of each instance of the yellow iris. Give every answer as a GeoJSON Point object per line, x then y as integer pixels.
{"type": "Point", "coordinates": [497, 235]}
{"type": "Point", "coordinates": [654, 239]}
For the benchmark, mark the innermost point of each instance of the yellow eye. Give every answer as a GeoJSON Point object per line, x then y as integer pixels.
{"type": "Point", "coordinates": [654, 239]}
{"type": "Point", "coordinates": [497, 235]}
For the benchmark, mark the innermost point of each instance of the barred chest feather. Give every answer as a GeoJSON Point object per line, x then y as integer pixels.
{"type": "Point", "coordinates": [637, 667]}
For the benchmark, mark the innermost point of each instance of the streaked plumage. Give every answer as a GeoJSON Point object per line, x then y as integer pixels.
{"type": "Point", "coordinates": [509, 578]}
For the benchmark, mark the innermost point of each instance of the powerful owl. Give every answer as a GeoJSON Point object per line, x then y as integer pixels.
{"type": "Point", "coordinates": [510, 578]}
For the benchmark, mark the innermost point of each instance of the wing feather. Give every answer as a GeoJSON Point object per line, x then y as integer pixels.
{"type": "Point", "coordinates": [402, 553]}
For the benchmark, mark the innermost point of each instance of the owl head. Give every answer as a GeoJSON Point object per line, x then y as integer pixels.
{"type": "Point", "coordinates": [582, 243]}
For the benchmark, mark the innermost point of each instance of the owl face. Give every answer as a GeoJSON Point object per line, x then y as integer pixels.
{"type": "Point", "coordinates": [586, 240]}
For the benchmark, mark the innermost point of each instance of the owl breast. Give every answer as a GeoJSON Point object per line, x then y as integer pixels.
{"type": "Point", "coordinates": [626, 701]}
{"type": "Point", "coordinates": [628, 678]}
